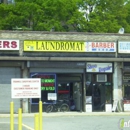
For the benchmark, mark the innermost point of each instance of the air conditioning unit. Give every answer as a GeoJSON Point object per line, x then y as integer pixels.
{"type": "Point", "coordinates": [101, 78]}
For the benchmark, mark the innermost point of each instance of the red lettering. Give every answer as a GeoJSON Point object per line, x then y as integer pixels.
{"type": "Point", "coordinates": [97, 44]}
{"type": "Point", "coordinates": [108, 45]}
{"type": "Point", "coordinates": [104, 45]}
{"type": "Point", "coordinates": [0, 44]}
{"type": "Point", "coordinates": [93, 45]}
{"type": "Point", "coordinates": [14, 44]}
{"type": "Point", "coordinates": [100, 45]}
{"type": "Point", "coordinates": [6, 44]}
{"type": "Point", "coordinates": [112, 45]}
{"type": "Point", "coordinates": [43, 76]}
{"type": "Point", "coordinates": [47, 84]}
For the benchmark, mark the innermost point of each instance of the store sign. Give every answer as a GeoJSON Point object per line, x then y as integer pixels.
{"type": "Point", "coordinates": [123, 47]}
{"type": "Point", "coordinates": [100, 47]}
{"type": "Point", "coordinates": [54, 46]}
{"type": "Point", "coordinates": [99, 67]}
{"type": "Point", "coordinates": [26, 88]}
{"type": "Point", "coordinates": [48, 81]}
{"type": "Point", "coordinates": [9, 44]}
{"type": "Point", "coordinates": [67, 46]}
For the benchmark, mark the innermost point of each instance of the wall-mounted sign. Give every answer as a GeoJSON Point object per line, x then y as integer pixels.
{"type": "Point", "coordinates": [26, 88]}
{"type": "Point", "coordinates": [9, 44]}
{"type": "Point", "coordinates": [52, 96]}
{"type": "Point", "coordinates": [123, 47]}
{"type": "Point", "coordinates": [69, 46]}
{"type": "Point", "coordinates": [99, 67]}
{"type": "Point", "coordinates": [100, 47]}
{"type": "Point", "coordinates": [54, 46]}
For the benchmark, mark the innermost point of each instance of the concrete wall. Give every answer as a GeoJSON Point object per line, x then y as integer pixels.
{"type": "Point", "coordinates": [68, 36]}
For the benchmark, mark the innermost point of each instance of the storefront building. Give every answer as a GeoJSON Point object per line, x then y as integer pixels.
{"type": "Point", "coordinates": [90, 69]}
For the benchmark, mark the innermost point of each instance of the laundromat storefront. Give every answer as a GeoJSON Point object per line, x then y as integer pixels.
{"type": "Point", "coordinates": [59, 81]}
{"type": "Point", "coordinates": [99, 86]}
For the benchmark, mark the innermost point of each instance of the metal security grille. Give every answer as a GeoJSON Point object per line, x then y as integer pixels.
{"type": "Point", "coordinates": [6, 73]}
{"type": "Point", "coordinates": [56, 70]}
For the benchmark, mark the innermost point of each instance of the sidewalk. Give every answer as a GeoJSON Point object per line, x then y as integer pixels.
{"type": "Point", "coordinates": [72, 114]}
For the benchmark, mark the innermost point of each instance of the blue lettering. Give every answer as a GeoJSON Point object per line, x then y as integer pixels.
{"type": "Point", "coordinates": [89, 66]}
{"type": "Point", "coordinates": [104, 69]}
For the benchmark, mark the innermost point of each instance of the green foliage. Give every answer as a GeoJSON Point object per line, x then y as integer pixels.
{"type": "Point", "coordinates": [105, 16]}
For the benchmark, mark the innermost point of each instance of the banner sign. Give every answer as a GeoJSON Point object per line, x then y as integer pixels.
{"type": "Point", "coordinates": [9, 44]}
{"type": "Point", "coordinates": [99, 67]}
{"type": "Point", "coordinates": [123, 47]}
{"type": "Point", "coordinates": [26, 88]}
{"type": "Point", "coordinates": [67, 46]}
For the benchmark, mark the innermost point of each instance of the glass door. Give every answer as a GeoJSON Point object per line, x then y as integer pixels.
{"type": "Point", "coordinates": [98, 97]}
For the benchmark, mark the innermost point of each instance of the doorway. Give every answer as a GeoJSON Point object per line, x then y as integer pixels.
{"type": "Point", "coordinates": [98, 97]}
{"type": "Point", "coordinates": [100, 91]}
{"type": "Point", "coordinates": [70, 88]}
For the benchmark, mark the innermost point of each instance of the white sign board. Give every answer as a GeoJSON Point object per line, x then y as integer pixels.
{"type": "Point", "coordinates": [26, 88]}
{"type": "Point", "coordinates": [9, 44]}
{"type": "Point", "coordinates": [108, 107]}
{"type": "Point", "coordinates": [52, 96]}
{"type": "Point", "coordinates": [99, 67]}
{"type": "Point", "coordinates": [88, 108]}
{"type": "Point", "coordinates": [123, 47]}
{"type": "Point", "coordinates": [100, 46]}
{"type": "Point", "coordinates": [126, 107]}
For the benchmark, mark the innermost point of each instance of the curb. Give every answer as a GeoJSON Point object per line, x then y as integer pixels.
{"type": "Point", "coordinates": [70, 114]}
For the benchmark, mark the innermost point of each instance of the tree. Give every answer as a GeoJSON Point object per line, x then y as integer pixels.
{"type": "Point", "coordinates": [66, 15]}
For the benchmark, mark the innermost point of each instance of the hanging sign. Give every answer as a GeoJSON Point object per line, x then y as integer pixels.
{"type": "Point", "coordinates": [123, 47]}
{"type": "Point", "coordinates": [99, 67]}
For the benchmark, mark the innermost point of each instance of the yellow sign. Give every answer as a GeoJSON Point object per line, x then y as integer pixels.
{"type": "Point", "coordinates": [54, 46]}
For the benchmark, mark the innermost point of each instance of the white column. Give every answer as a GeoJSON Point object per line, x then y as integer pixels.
{"type": "Point", "coordinates": [117, 81]}
{"type": "Point", "coordinates": [25, 101]}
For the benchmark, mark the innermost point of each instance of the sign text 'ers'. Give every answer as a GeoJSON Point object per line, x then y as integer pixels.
{"type": "Point", "coordinates": [9, 44]}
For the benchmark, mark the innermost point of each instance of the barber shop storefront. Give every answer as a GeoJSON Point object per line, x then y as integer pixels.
{"type": "Point", "coordinates": [99, 86]}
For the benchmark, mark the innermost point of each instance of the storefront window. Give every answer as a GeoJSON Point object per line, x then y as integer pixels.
{"type": "Point", "coordinates": [108, 90]}
{"type": "Point", "coordinates": [88, 85]}
{"type": "Point", "coordinates": [63, 91]}
{"type": "Point", "coordinates": [48, 86]}
{"type": "Point", "coordinates": [126, 92]}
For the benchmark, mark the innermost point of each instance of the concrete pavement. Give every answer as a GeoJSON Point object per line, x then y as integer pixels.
{"type": "Point", "coordinates": [63, 118]}
{"type": "Point", "coordinates": [5, 118]}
